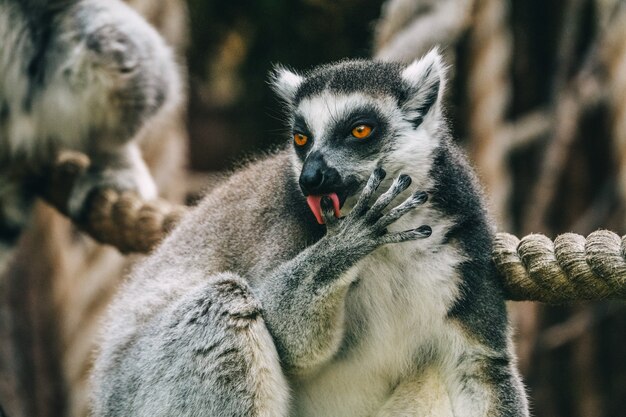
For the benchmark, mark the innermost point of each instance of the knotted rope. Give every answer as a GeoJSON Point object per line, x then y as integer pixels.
{"type": "Point", "coordinates": [533, 269]}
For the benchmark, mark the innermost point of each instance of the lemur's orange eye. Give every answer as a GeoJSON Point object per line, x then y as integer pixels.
{"type": "Point", "coordinates": [361, 131]}
{"type": "Point", "coordinates": [300, 139]}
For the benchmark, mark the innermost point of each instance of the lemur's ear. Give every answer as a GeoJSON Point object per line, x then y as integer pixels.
{"type": "Point", "coordinates": [425, 78]}
{"type": "Point", "coordinates": [285, 83]}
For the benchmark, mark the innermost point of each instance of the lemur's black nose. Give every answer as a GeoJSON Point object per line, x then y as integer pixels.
{"type": "Point", "coordinates": [317, 177]}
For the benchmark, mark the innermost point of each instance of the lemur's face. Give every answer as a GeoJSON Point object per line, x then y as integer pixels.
{"type": "Point", "coordinates": [351, 117]}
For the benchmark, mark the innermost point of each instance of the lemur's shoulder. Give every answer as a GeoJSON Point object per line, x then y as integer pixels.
{"type": "Point", "coordinates": [457, 192]}
{"type": "Point", "coordinates": [266, 186]}
{"type": "Point", "coordinates": [252, 221]}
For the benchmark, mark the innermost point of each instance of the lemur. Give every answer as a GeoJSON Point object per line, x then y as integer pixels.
{"type": "Point", "coordinates": [82, 75]}
{"type": "Point", "coordinates": [264, 301]}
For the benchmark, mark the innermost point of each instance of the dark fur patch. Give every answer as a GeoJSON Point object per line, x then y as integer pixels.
{"type": "Point", "coordinates": [373, 77]}
{"type": "Point", "coordinates": [431, 97]}
{"type": "Point", "coordinates": [457, 194]}
{"type": "Point", "coordinates": [160, 95]}
{"type": "Point", "coordinates": [40, 22]}
{"type": "Point", "coordinates": [9, 233]}
{"type": "Point", "coordinates": [424, 107]}
{"type": "Point", "coordinates": [5, 111]}
{"type": "Point", "coordinates": [339, 136]}
{"type": "Point", "coordinates": [300, 125]}
{"type": "Point", "coordinates": [340, 133]}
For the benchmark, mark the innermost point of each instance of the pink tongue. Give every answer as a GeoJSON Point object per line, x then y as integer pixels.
{"type": "Point", "coordinates": [315, 203]}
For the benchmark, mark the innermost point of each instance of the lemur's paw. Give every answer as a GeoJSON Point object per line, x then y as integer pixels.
{"type": "Point", "coordinates": [135, 180]}
{"type": "Point", "coordinates": [369, 224]}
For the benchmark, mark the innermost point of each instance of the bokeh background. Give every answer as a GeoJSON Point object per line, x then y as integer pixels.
{"type": "Point", "coordinates": [536, 95]}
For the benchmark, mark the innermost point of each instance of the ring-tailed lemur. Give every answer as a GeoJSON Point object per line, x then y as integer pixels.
{"type": "Point", "coordinates": [84, 75]}
{"type": "Point", "coordinates": [250, 309]}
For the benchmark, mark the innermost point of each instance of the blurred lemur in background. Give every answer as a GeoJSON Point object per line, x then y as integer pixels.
{"type": "Point", "coordinates": [254, 307]}
{"type": "Point", "coordinates": [83, 75]}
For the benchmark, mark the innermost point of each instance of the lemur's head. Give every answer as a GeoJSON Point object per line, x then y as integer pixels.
{"type": "Point", "coordinates": [353, 116]}
{"type": "Point", "coordinates": [106, 73]}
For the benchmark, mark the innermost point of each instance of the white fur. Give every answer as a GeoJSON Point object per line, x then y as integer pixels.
{"type": "Point", "coordinates": [404, 292]}
{"type": "Point", "coordinates": [422, 394]}
{"type": "Point", "coordinates": [414, 72]}
{"type": "Point", "coordinates": [286, 83]}
{"type": "Point", "coordinates": [423, 75]}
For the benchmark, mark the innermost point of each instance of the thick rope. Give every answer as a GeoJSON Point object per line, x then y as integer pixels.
{"type": "Point", "coordinates": [533, 269]}
{"type": "Point", "coordinates": [570, 268]}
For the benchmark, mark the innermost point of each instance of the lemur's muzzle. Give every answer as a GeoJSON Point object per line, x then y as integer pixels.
{"type": "Point", "coordinates": [317, 180]}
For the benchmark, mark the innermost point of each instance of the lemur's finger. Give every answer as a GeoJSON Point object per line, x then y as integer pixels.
{"type": "Point", "coordinates": [400, 184]}
{"type": "Point", "coordinates": [417, 199]}
{"type": "Point", "coordinates": [328, 213]}
{"type": "Point", "coordinates": [414, 234]}
{"type": "Point", "coordinates": [372, 185]}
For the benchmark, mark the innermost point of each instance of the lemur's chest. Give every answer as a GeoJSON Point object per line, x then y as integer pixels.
{"type": "Point", "coordinates": [404, 292]}
{"type": "Point", "coordinates": [395, 316]}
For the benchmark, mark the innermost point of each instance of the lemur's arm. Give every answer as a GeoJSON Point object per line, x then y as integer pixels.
{"type": "Point", "coordinates": [303, 298]}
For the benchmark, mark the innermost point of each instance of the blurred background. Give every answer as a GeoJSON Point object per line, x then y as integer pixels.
{"type": "Point", "coordinates": [536, 95]}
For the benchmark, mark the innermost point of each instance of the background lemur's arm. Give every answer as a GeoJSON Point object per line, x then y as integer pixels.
{"type": "Point", "coordinates": [303, 298]}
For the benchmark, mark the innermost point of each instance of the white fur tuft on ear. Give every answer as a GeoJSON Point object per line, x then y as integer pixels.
{"type": "Point", "coordinates": [285, 83]}
{"type": "Point", "coordinates": [425, 78]}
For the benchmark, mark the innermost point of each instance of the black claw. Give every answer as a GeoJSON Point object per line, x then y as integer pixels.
{"type": "Point", "coordinates": [420, 197]}
{"type": "Point", "coordinates": [380, 173]}
{"type": "Point", "coordinates": [404, 181]}
{"type": "Point", "coordinates": [424, 231]}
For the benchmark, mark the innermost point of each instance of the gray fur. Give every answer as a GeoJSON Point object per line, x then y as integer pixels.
{"type": "Point", "coordinates": [393, 310]}
{"type": "Point", "coordinates": [83, 75]}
